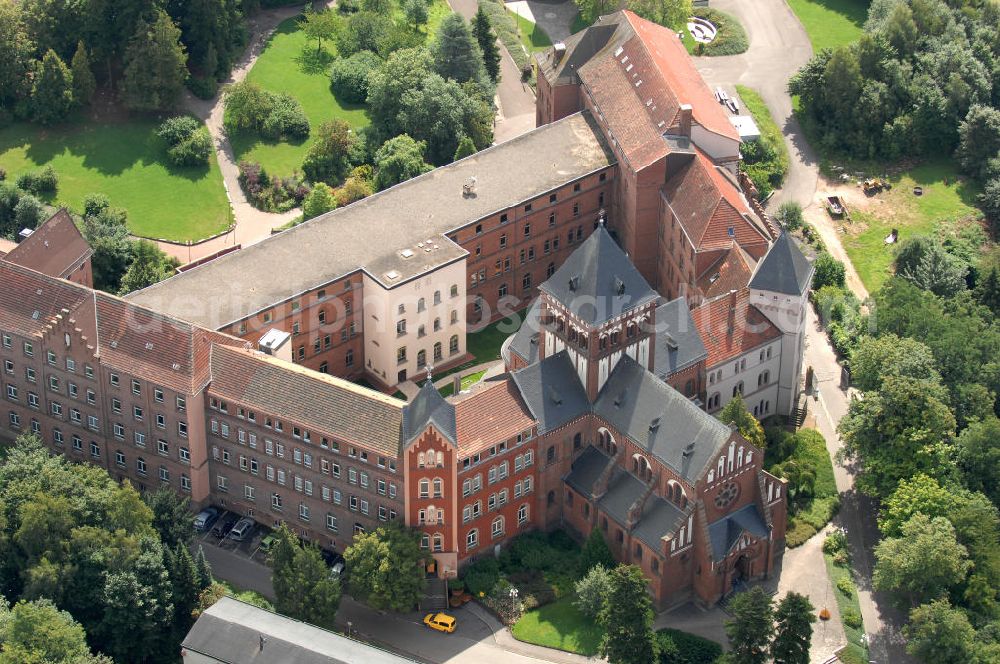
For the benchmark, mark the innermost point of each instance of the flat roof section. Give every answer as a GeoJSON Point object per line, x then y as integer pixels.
{"type": "Point", "coordinates": [371, 234]}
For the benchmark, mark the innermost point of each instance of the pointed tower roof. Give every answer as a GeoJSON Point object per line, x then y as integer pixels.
{"type": "Point", "coordinates": [428, 408]}
{"type": "Point", "coordinates": [598, 281]}
{"type": "Point", "coordinates": [784, 269]}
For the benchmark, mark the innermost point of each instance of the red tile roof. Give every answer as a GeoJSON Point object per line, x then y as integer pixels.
{"type": "Point", "coordinates": [56, 248]}
{"type": "Point", "coordinates": [675, 65]}
{"type": "Point", "coordinates": [30, 299]}
{"type": "Point", "coordinates": [730, 326]}
{"type": "Point", "coordinates": [730, 272]}
{"type": "Point", "coordinates": [708, 204]}
{"type": "Point", "coordinates": [489, 415]}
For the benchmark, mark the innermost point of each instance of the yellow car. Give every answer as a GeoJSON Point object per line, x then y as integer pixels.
{"type": "Point", "coordinates": [442, 622]}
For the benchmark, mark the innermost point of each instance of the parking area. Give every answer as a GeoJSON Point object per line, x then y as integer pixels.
{"type": "Point", "coordinates": [250, 548]}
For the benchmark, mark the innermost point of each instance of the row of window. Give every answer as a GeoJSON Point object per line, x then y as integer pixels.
{"type": "Point", "coordinates": [496, 528]}
{"type": "Point", "coordinates": [422, 354]}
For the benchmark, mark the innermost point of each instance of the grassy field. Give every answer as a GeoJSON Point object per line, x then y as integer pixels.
{"type": "Point", "coordinates": [559, 625]}
{"type": "Point", "coordinates": [812, 516]}
{"type": "Point", "coordinates": [947, 198]}
{"type": "Point", "coordinates": [855, 652]}
{"type": "Point", "coordinates": [127, 162]}
{"type": "Point", "coordinates": [532, 36]}
{"type": "Point", "coordinates": [831, 23]}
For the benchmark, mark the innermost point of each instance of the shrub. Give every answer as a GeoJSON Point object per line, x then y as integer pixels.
{"type": "Point", "coordinates": [845, 586]}
{"type": "Point", "coordinates": [286, 119]}
{"type": "Point", "coordinates": [354, 189]}
{"type": "Point", "coordinates": [533, 587]}
{"type": "Point", "coordinates": [318, 201]}
{"type": "Point", "coordinates": [790, 215]}
{"type": "Point", "coordinates": [591, 591]}
{"type": "Point", "coordinates": [3, 175]}
{"type": "Point", "coordinates": [842, 558]}
{"type": "Point", "coordinates": [28, 212]}
{"type": "Point", "coordinates": [852, 619]}
{"type": "Point", "coordinates": [349, 76]}
{"type": "Point", "coordinates": [829, 272]}
{"type": "Point", "coordinates": [42, 181]}
{"type": "Point", "coordinates": [271, 194]}
{"type": "Point", "coordinates": [176, 129]}
{"type": "Point", "coordinates": [834, 542]}
{"type": "Point", "coordinates": [195, 150]}
{"type": "Point", "coordinates": [481, 576]}
{"type": "Point", "coordinates": [730, 38]}
{"type": "Point", "coordinates": [677, 647]}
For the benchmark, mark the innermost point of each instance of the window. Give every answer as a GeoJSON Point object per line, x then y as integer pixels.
{"type": "Point", "coordinates": [164, 474]}
{"type": "Point", "coordinates": [425, 488]}
{"type": "Point", "coordinates": [303, 511]}
{"type": "Point", "coordinates": [140, 467]}
{"type": "Point", "coordinates": [95, 450]}
{"type": "Point", "coordinates": [472, 540]}
{"type": "Point", "coordinates": [331, 523]}
{"type": "Point", "coordinates": [162, 447]}
{"type": "Point", "coordinates": [276, 501]}
{"type": "Point", "coordinates": [136, 388]}
{"type": "Point", "coordinates": [120, 459]}
{"type": "Point", "coordinates": [248, 491]}
{"type": "Point", "coordinates": [522, 514]}
{"type": "Point", "coordinates": [185, 482]}
{"type": "Point", "coordinates": [438, 488]}
{"type": "Point", "coordinates": [497, 527]}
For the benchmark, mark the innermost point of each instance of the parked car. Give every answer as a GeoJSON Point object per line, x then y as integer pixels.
{"type": "Point", "coordinates": [337, 569]}
{"type": "Point", "coordinates": [205, 518]}
{"type": "Point", "coordinates": [442, 622]}
{"type": "Point", "coordinates": [242, 530]}
{"type": "Point", "coordinates": [225, 524]}
{"type": "Point", "coordinates": [268, 542]}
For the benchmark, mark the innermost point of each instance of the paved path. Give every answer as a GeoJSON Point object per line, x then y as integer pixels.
{"type": "Point", "coordinates": [857, 514]}
{"type": "Point", "coordinates": [479, 638]}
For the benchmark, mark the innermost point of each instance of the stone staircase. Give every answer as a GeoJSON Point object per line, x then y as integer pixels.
{"type": "Point", "coordinates": [435, 595]}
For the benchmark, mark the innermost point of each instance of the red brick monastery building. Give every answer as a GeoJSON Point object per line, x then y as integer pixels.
{"type": "Point", "coordinates": [653, 292]}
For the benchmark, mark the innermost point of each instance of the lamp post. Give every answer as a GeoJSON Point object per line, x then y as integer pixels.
{"type": "Point", "coordinates": [513, 601]}
{"type": "Point", "coordinates": [349, 628]}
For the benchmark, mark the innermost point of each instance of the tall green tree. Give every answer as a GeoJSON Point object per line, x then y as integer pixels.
{"type": "Point", "coordinates": [979, 457]}
{"type": "Point", "coordinates": [455, 51]}
{"type": "Point", "coordinates": [592, 590]}
{"type": "Point", "coordinates": [84, 83]}
{"type": "Point", "coordinates": [387, 567]}
{"type": "Point", "coordinates": [171, 517]}
{"type": "Point", "coordinates": [398, 160]}
{"type": "Point", "coordinates": [596, 552]}
{"type": "Point", "coordinates": [668, 13]}
{"type": "Point", "coordinates": [149, 265]}
{"type": "Point", "coordinates": [590, 10]}
{"type": "Point", "coordinates": [751, 628]}
{"type": "Point", "coordinates": [465, 148]}
{"type": "Point", "coordinates": [940, 633]}
{"type": "Point", "coordinates": [321, 591]}
{"type": "Point", "coordinates": [203, 569]}
{"type": "Point", "coordinates": [318, 201]}
{"type": "Point", "coordinates": [875, 358]}
{"type": "Point", "coordinates": [627, 619]}
{"type": "Point", "coordinates": [978, 139]}
{"type": "Point", "coordinates": [319, 26]}
{"type": "Point", "coordinates": [923, 563]}
{"type": "Point", "coordinates": [39, 632]}
{"type": "Point", "coordinates": [288, 591]}
{"type": "Point", "coordinates": [106, 232]}
{"type": "Point", "coordinates": [155, 66]}
{"type": "Point", "coordinates": [416, 12]}
{"type": "Point", "coordinates": [482, 29]}
{"type": "Point", "coordinates": [735, 412]}
{"type": "Point", "coordinates": [793, 632]}
{"type": "Point", "coordinates": [185, 587]}
{"type": "Point", "coordinates": [52, 92]}
{"type": "Point", "coordinates": [440, 112]}
{"type": "Point", "coordinates": [403, 70]}
{"type": "Point", "coordinates": [18, 51]}
{"type": "Point", "coordinates": [988, 290]}
{"type": "Point", "coordinates": [329, 156]}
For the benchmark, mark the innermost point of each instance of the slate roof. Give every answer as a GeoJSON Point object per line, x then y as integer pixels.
{"type": "Point", "coordinates": [730, 326]}
{"type": "Point", "coordinates": [623, 490]}
{"type": "Point", "coordinates": [726, 531]}
{"type": "Point", "coordinates": [586, 469]}
{"type": "Point", "coordinates": [369, 234]}
{"type": "Point", "coordinates": [56, 248]}
{"type": "Point", "coordinates": [598, 282]}
{"type": "Point", "coordinates": [428, 408]}
{"type": "Point", "coordinates": [659, 517]}
{"type": "Point", "coordinates": [490, 414]}
{"type": "Point", "coordinates": [580, 48]}
{"type": "Point", "coordinates": [525, 341]}
{"type": "Point", "coordinates": [552, 391]}
{"type": "Point", "coordinates": [320, 403]}
{"type": "Point", "coordinates": [784, 269]}
{"type": "Point", "coordinates": [230, 631]}
{"type": "Point", "coordinates": [677, 342]}
{"type": "Point", "coordinates": [660, 419]}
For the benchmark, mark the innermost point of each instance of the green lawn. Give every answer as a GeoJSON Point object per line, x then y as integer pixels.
{"type": "Point", "coordinates": [947, 198]}
{"type": "Point", "coordinates": [831, 23]}
{"type": "Point", "coordinates": [810, 517]}
{"type": "Point", "coordinates": [559, 625]}
{"type": "Point", "coordinates": [855, 652]}
{"type": "Point", "coordinates": [290, 63]}
{"type": "Point", "coordinates": [127, 162]}
{"type": "Point", "coordinates": [531, 35]}
{"type": "Point", "coordinates": [467, 382]}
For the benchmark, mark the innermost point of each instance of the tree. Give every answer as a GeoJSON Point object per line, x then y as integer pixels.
{"type": "Point", "coordinates": [735, 412]}
{"type": "Point", "coordinates": [482, 29]}
{"type": "Point", "coordinates": [596, 552]}
{"type": "Point", "coordinates": [185, 587]}
{"type": "Point", "coordinates": [28, 212]}
{"type": "Point", "coordinates": [321, 591]}
{"type": "Point", "coordinates": [84, 83]}
{"type": "Point", "coordinates": [107, 234]}
{"type": "Point", "coordinates": [456, 54]}
{"type": "Point", "coordinates": [203, 569]}
{"type": "Point", "coordinates": [328, 159]}
{"type": "Point", "coordinates": [923, 563]}
{"type": "Point", "coordinates": [155, 66]}
{"type": "Point", "coordinates": [52, 92]}
{"type": "Point", "coordinates": [149, 265]}
{"type": "Point", "coordinates": [319, 26]}
{"type": "Point", "coordinates": [387, 567]}
{"type": "Point", "coordinates": [828, 271]}
{"type": "Point", "coordinates": [902, 429]}
{"type": "Point", "coordinates": [918, 494]}
{"type": "Point", "coordinates": [979, 457]}
{"type": "Point", "coordinates": [988, 290]}
{"type": "Point", "coordinates": [627, 619]}
{"type": "Point", "coordinates": [171, 517]}
{"type": "Point", "coordinates": [402, 70]}
{"type": "Point", "coordinates": [354, 189]}
{"type": "Point", "coordinates": [288, 590]}
{"type": "Point", "coordinates": [590, 10]}
{"type": "Point", "coordinates": [978, 139]}
{"type": "Point", "coordinates": [318, 201]}
{"type": "Point", "coordinates": [349, 76]}
{"type": "Point", "coordinates": [39, 632]}
{"type": "Point", "coordinates": [440, 112]}
{"type": "Point", "coordinates": [876, 358]}
{"type": "Point", "coordinates": [936, 271]}
{"type": "Point", "coordinates": [398, 160]}
{"type": "Point", "coordinates": [752, 626]}
{"type": "Point", "coordinates": [18, 54]}
{"type": "Point", "coordinates": [668, 13]}
{"type": "Point", "coordinates": [591, 591]}
{"type": "Point", "coordinates": [415, 12]}
{"type": "Point", "coordinates": [989, 201]}
{"type": "Point", "coordinates": [465, 148]}
{"type": "Point", "coordinates": [939, 633]}
{"type": "Point", "coordinates": [793, 633]}
{"type": "Point", "coordinates": [790, 215]}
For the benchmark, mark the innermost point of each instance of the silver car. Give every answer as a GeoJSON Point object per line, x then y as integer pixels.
{"type": "Point", "coordinates": [242, 530]}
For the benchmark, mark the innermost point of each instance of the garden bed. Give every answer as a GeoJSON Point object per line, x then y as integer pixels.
{"type": "Point", "coordinates": [856, 651]}
{"type": "Point", "coordinates": [730, 37]}
{"type": "Point", "coordinates": [766, 163]}
{"type": "Point", "coordinates": [806, 449]}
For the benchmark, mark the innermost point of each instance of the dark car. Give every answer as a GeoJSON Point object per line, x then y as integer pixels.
{"type": "Point", "coordinates": [225, 524]}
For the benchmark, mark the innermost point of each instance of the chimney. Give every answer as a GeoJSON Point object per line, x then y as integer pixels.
{"type": "Point", "coordinates": [685, 112]}
{"type": "Point", "coordinates": [731, 317]}
{"type": "Point", "coordinates": [558, 51]}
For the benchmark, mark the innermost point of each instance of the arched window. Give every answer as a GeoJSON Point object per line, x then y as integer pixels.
{"type": "Point", "coordinates": [425, 488]}
{"type": "Point", "coordinates": [437, 297]}
{"type": "Point", "coordinates": [637, 551]}
{"type": "Point", "coordinates": [438, 487]}
{"type": "Point", "coordinates": [738, 389]}
{"type": "Point", "coordinates": [454, 316]}
{"type": "Point", "coordinates": [420, 305]}
{"type": "Point", "coordinates": [437, 351]}
{"type": "Point", "coordinates": [437, 324]}
{"type": "Point", "coordinates": [421, 358]}
{"type": "Point", "coordinates": [550, 454]}
{"type": "Point", "coordinates": [472, 539]}
{"type": "Point", "coordinates": [453, 344]}
{"type": "Point", "coordinates": [739, 457]}
{"type": "Point", "coordinates": [577, 441]}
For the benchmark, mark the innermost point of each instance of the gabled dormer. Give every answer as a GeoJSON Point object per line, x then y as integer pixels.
{"type": "Point", "coordinates": [598, 308]}
{"type": "Point", "coordinates": [429, 410]}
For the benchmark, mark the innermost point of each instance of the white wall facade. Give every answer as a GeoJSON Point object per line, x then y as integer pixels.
{"type": "Point", "coordinates": [759, 372]}
{"type": "Point", "coordinates": [788, 313]}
